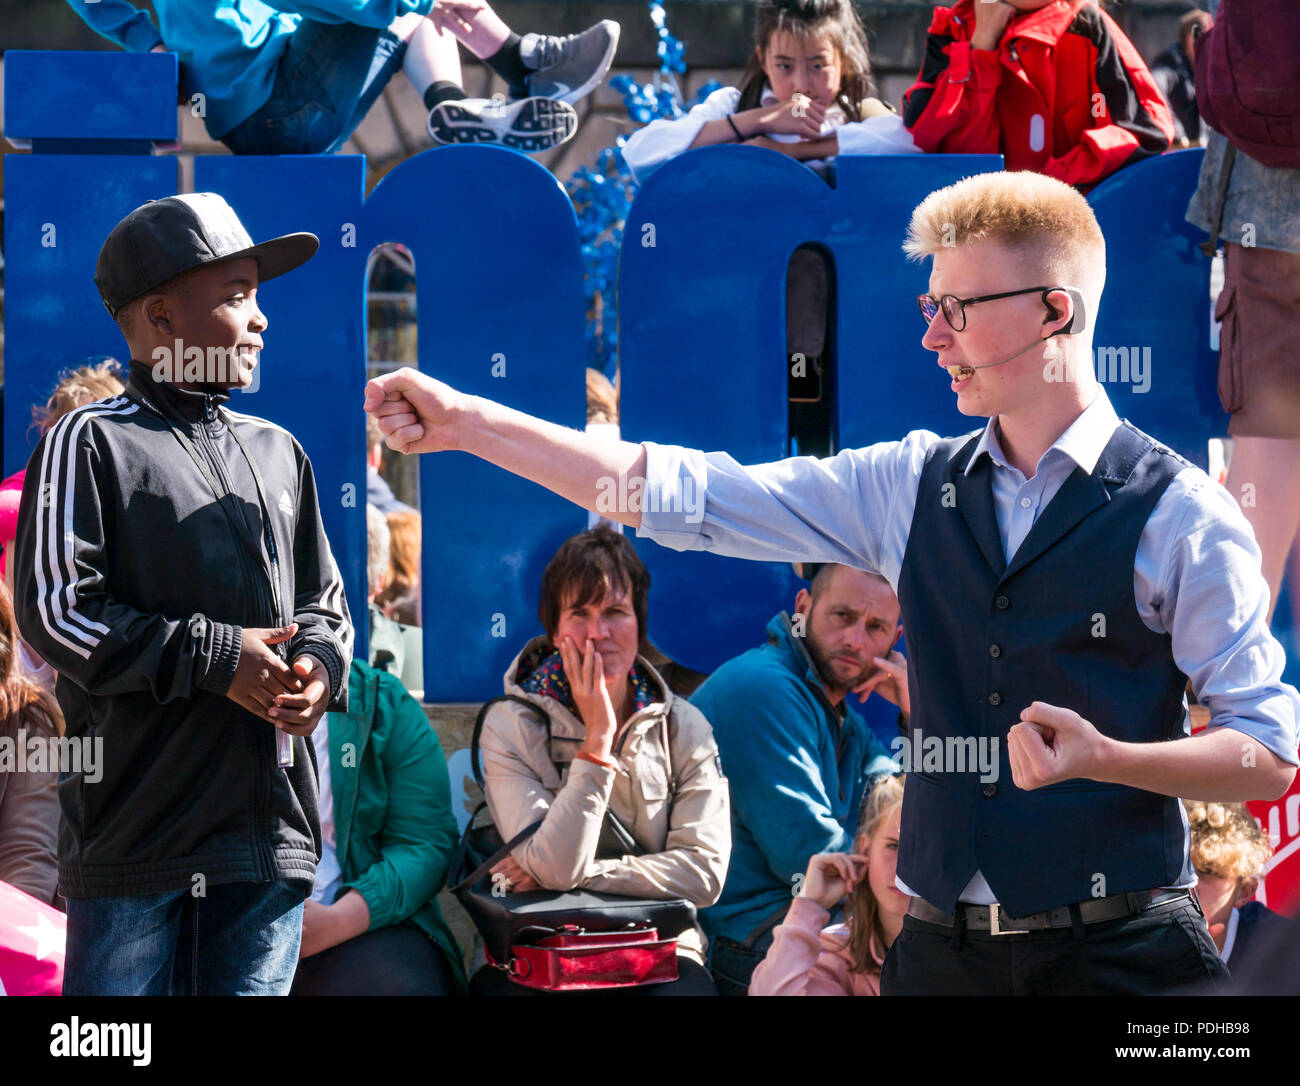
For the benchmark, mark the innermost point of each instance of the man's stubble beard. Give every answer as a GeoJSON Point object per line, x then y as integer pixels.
{"type": "Point", "coordinates": [821, 661]}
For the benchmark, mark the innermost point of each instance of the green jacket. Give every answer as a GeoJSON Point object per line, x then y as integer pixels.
{"type": "Point", "coordinates": [393, 825]}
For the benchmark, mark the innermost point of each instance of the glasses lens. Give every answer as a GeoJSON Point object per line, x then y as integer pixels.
{"type": "Point", "coordinates": [952, 310]}
{"type": "Point", "coordinates": [929, 310]}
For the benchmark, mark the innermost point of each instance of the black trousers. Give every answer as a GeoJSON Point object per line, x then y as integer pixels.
{"type": "Point", "coordinates": [391, 961]}
{"type": "Point", "coordinates": [692, 980]}
{"type": "Point", "coordinates": [1165, 948]}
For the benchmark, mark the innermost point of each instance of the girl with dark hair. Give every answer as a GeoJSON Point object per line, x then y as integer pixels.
{"type": "Point", "coordinates": [806, 92]}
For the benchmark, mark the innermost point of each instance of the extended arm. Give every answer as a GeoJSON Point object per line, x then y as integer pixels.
{"type": "Point", "coordinates": [854, 508]}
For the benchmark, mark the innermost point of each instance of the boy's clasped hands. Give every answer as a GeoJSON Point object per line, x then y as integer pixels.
{"type": "Point", "coordinates": [293, 698]}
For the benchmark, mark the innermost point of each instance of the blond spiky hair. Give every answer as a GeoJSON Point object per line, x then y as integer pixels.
{"type": "Point", "coordinates": [1022, 210]}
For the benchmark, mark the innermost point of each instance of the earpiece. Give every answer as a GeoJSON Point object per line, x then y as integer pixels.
{"type": "Point", "coordinates": [1079, 320]}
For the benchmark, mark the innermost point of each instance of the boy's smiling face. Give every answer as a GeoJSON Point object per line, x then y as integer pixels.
{"type": "Point", "coordinates": [215, 306]}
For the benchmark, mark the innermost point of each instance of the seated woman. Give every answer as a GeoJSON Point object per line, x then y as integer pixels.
{"type": "Point", "coordinates": [372, 926]}
{"type": "Point", "coordinates": [619, 740]}
{"type": "Point", "coordinates": [29, 804]}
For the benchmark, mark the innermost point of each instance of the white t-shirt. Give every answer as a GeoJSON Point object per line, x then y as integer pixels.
{"type": "Point", "coordinates": [329, 876]}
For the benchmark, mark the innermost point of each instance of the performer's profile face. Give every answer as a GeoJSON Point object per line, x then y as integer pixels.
{"type": "Point", "coordinates": [994, 330]}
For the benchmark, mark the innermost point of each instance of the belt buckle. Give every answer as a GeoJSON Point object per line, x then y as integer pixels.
{"type": "Point", "coordinates": [995, 928]}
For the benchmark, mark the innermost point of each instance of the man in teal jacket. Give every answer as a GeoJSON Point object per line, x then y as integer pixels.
{"type": "Point", "coordinates": [796, 755]}
{"type": "Point", "coordinates": [372, 926]}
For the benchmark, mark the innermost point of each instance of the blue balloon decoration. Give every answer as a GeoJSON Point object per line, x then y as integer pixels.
{"type": "Point", "coordinates": [602, 196]}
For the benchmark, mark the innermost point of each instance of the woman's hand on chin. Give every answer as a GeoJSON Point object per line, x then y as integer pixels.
{"type": "Point", "coordinates": [586, 674]}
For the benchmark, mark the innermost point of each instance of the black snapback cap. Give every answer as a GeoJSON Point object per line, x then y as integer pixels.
{"type": "Point", "coordinates": [163, 238]}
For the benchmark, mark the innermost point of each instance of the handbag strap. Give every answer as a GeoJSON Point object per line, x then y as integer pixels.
{"type": "Point", "coordinates": [479, 872]}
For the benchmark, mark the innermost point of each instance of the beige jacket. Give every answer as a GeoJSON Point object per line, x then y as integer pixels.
{"type": "Point", "coordinates": [679, 815]}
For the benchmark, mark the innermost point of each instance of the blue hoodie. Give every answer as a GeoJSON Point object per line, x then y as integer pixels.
{"type": "Point", "coordinates": [228, 49]}
{"type": "Point", "coordinates": [797, 774]}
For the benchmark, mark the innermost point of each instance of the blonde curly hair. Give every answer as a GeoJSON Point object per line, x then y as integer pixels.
{"type": "Point", "coordinates": [1226, 840]}
{"type": "Point", "coordinates": [76, 388]}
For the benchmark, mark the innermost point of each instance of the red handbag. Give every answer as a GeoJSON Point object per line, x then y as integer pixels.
{"type": "Point", "coordinates": [569, 959]}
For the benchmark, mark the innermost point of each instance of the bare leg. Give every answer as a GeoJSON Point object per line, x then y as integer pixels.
{"type": "Point", "coordinates": [1264, 477]}
{"type": "Point", "coordinates": [431, 54]}
{"type": "Point", "coordinates": [480, 30]}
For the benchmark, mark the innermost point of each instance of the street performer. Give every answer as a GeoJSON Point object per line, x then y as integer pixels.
{"type": "Point", "coordinates": [1069, 576]}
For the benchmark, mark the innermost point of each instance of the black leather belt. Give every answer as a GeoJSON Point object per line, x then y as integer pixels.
{"type": "Point", "coordinates": [994, 920]}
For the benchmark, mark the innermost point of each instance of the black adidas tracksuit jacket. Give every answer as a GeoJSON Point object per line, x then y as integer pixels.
{"type": "Point", "coordinates": [135, 584]}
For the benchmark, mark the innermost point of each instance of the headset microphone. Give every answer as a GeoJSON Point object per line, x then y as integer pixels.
{"type": "Point", "coordinates": [956, 370]}
{"type": "Point", "coordinates": [1078, 323]}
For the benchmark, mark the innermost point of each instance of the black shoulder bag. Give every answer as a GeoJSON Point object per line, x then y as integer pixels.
{"type": "Point", "coordinates": [506, 919]}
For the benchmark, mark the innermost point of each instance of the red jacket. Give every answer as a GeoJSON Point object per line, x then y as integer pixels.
{"type": "Point", "coordinates": [1065, 93]}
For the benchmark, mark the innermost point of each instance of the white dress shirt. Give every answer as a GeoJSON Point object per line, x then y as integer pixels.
{"type": "Point", "coordinates": [1196, 574]}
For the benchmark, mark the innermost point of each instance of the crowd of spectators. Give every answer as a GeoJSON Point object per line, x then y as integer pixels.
{"type": "Point", "coordinates": [757, 793]}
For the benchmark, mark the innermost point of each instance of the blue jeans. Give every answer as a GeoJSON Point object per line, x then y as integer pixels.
{"type": "Point", "coordinates": [325, 84]}
{"type": "Point", "coordinates": [732, 964]}
{"type": "Point", "coordinates": [241, 938]}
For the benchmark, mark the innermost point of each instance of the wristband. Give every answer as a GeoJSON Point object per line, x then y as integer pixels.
{"type": "Point", "coordinates": [594, 760]}
{"type": "Point", "coordinates": [739, 137]}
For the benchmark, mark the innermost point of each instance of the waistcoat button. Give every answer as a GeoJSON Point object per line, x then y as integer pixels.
{"type": "Point", "coordinates": [995, 698]}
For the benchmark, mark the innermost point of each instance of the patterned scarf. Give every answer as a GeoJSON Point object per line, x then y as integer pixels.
{"type": "Point", "coordinates": [548, 678]}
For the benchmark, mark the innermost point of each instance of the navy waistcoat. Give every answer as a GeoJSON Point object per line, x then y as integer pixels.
{"type": "Point", "coordinates": [1059, 624]}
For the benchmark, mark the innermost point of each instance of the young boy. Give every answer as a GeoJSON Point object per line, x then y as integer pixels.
{"type": "Point", "coordinates": [172, 566]}
{"type": "Point", "coordinates": [298, 78]}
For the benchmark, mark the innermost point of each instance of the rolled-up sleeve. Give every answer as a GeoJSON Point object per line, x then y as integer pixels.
{"type": "Point", "coordinates": [854, 508]}
{"type": "Point", "coordinates": [1211, 597]}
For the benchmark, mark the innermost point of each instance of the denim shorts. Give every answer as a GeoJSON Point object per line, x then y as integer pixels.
{"type": "Point", "coordinates": [325, 84]}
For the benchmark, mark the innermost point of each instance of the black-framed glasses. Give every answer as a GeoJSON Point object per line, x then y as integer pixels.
{"type": "Point", "coordinates": [954, 308]}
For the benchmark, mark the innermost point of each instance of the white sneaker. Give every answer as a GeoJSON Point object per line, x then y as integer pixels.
{"type": "Point", "coordinates": [531, 124]}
